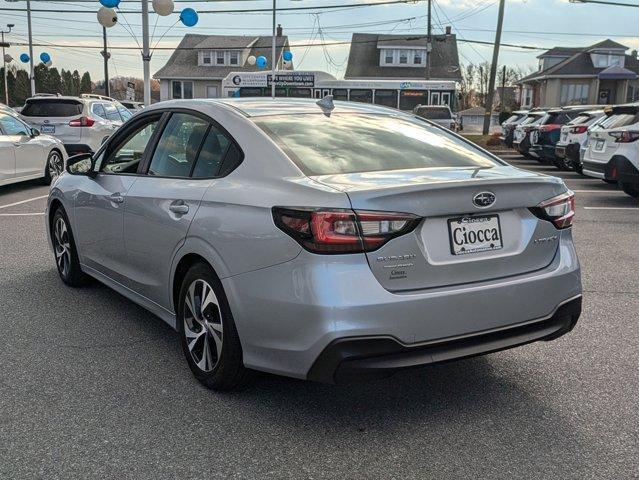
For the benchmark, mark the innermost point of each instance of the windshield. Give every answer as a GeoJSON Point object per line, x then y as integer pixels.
{"type": "Point", "coordinates": [435, 113]}
{"type": "Point", "coordinates": [349, 143]}
{"type": "Point", "coordinates": [52, 108]}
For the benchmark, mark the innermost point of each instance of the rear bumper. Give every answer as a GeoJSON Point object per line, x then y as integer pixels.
{"type": "Point", "coordinates": [617, 168]}
{"type": "Point", "coordinates": [287, 315]}
{"type": "Point", "coordinates": [546, 152]}
{"type": "Point", "coordinates": [355, 359]}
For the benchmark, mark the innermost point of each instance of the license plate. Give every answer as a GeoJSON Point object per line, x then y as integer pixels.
{"type": "Point", "coordinates": [564, 136]}
{"type": "Point", "coordinates": [599, 145]}
{"type": "Point", "coordinates": [47, 129]}
{"type": "Point", "coordinates": [474, 234]}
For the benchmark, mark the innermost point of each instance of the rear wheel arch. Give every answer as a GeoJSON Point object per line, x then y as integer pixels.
{"type": "Point", "coordinates": [181, 269]}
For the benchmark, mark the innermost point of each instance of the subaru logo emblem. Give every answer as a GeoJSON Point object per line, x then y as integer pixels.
{"type": "Point", "coordinates": [484, 199]}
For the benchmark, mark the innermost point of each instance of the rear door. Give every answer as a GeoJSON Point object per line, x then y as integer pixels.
{"type": "Point", "coordinates": [162, 203]}
{"type": "Point", "coordinates": [52, 115]}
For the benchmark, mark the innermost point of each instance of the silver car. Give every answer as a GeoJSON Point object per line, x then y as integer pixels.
{"type": "Point", "coordinates": [331, 242]}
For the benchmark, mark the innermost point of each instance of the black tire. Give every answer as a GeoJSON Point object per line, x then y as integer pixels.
{"type": "Point", "coordinates": [611, 182]}
{"type": "Point", "coordinates": [200, 330]}
{"type": "Point", "coordinates": [54, 166]}
{"type": "Point", "coordinates": [563, 164]}
{"type": "Point", "coordinates": [631, 189]}
{"type": "Point", "coordinates": [65, 252]}
{"type": "Point", "coordinates": [527, 155]}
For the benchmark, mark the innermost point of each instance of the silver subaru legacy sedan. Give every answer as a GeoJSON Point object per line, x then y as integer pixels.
{"type": "Point", "coordinates": [330, 242]}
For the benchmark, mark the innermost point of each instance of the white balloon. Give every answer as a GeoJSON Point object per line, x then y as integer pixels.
{"type": "Point", "coordinates": [107, 17]}
{"type": "Point", "coordinates": [251, 60]}
{"type": "Point", "coordinates": [8, 58]}
{"type": "Point", "coordinates": [163, 7]}
{"type": "Point", "coordinates": [49, 63]}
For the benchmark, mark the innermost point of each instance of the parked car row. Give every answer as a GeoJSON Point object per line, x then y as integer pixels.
{"type": "Point", "coordinates": [595, 141]}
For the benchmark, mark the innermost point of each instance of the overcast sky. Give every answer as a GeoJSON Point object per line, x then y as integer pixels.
{"type": "Point", "coordinates": [536, 23]}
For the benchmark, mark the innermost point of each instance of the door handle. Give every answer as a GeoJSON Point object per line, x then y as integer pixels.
{"type": "Point", "coordinates": [179, 207]}
{"type": "Point", "coordinates": [117, 198]}
{"type": "Point", "coordinates": [17, 144]}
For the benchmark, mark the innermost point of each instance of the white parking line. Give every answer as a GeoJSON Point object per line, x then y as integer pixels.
{"type": "Point", "coordinates": [20, 214]}
{"type": "Point", "coordinates": [23, 201]}
{"type": "Point", "coordinates": [611, 208]}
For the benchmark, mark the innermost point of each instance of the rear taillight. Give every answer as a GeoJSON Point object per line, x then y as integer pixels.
{"type": "Point", "coordinates": [332, 231]}
{"type": "Point", "coordinates": [82, 122]}
{"type": "Point", "coordinates": [549, 127]}
{"type": "Point", "coordinates": [625, 136]}
{"type": "Point", "coordinates": [579, 129]}
{"type": "Point", "coordinates": [559, 210]}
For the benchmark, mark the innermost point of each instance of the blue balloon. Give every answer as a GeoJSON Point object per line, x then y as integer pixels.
{"type": "Point", "coordinates": [288, 56]}
{"type": "Point", "coordinates": [45, 57]}
{"type": "Point", "coordinates": [189, 17]}
{"type": "Point", "coordinates": [110, 3]}
{"type": "Point", "coordinates": [261, 61]}
{"type": "Point", "coordinates": [24, 58]}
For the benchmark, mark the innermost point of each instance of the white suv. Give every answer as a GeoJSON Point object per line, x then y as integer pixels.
{"type": "Point", "coordinates": [613, 151]}
{"type": "Point", "coordinates": [573, 135]}
{"type": "Point", "coordinates": [82, 123]}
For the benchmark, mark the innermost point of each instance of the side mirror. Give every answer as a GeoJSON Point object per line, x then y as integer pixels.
{"type": "Point", "coordinates": [35, 132]}
{"type": "Point", "coordinates": [81, 164]}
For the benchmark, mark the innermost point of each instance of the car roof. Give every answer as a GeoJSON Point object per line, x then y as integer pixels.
{"type": "Point", "coordinates": [264, 106]}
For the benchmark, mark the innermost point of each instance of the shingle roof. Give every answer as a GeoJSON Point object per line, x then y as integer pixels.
{"type": "Point", "coordinates": [560, 52]}
{"type": "Point", "coordinates": [183, 63]}
{"type": "Point", "coordinates": [363, 59]}
{"type": "Point", "coordinates": [580, 63]}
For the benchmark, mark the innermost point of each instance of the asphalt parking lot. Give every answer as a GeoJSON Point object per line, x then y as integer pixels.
{"type": "Point", "coordinates": [93, 386]}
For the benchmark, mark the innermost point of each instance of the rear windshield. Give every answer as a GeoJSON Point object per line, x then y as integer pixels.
{"type": "Point", "coordinates": [555, 118]}
{"type": "Point", "coordinates": [349, 143]}
{"type": "Point", "coordinates": [579, 119]}
{"type": "Point", "coordinates": [52, 108]}
{"type": "Point", "coordinates": [619, 120]}
{"type": "Point", "coordinates": [531, 119]}
{"type": "Point", "coordinates": [434, 113]}
{"type": "Point", "coordinates": [513, 118]}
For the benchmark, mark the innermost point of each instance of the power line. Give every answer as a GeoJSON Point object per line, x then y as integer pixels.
{"type": "Point", "coordinates": [268, 10]}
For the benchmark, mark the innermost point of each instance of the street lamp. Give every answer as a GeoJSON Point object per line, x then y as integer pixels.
{"type": "Point", "coordinates": [4, 63]}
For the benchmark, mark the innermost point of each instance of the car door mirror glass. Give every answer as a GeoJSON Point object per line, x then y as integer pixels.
{"type": "Point", "coordinates": [81, 164]}
{"type": "Point", "coordinates": [35, 132]}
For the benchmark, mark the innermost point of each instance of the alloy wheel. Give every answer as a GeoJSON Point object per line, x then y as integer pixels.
{"type": "Point", "coordinates": [56, 165]}
{"type": "Point", "coordinates": [62, 246]}
{"type": "Point", "coordinates": [203, 326]}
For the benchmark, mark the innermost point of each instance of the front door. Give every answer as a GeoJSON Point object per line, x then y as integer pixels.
{"type": "Point", "coordinates": [446, 98]}
{"type": "Point", "coordinates": [434, 98]}
{"type": "Point", "coordinates": [28, 151]}
{"type": "Point", "coordinates": [7, 159]}
{"type": "Point", "coordinates": [211, 91]}
{"type": "Point", "coordinates": [100, 201]}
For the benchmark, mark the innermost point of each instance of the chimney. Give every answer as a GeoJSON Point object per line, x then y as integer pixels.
{"type": "Point", "coordinates": [280, 30]}
{"type": "Point", "coordinates": [448, 30]}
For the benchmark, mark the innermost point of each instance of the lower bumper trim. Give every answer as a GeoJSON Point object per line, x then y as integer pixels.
{"type": "Point", "coordinates": [352, 359]}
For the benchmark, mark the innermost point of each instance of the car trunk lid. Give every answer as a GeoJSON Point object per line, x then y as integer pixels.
{"type": "Point", "coordinates": [432, 255]}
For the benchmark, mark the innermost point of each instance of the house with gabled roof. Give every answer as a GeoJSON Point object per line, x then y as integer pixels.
{"type": "Point", "coordinates": [599, 74]}
{"type": "Point", "coordinates": [200, 62]}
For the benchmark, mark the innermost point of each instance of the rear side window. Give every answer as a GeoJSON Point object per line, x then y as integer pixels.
{"type": "Point", "coordinates": [52, 108]}
{"type": "Point", "coordinates": [98, 109]}
{"type": "Point", "coordinates": [178, 146]}
{"type": "Point", "coordinates": [112, 112]}
{"type": "Point", "coordinates": [349, 143]}
{"type": "Point", "coordinates": [211, 154]}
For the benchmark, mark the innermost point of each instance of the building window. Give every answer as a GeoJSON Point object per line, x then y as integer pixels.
{"type": "Point", "coordinates": [219, 58]}
{"type": "Point", "coordinates": [526, 97]}
{"type": "Point", "coordinates": [181, 89]}
{"type": "Point", "coordinates": [404, 57]}
{"type": "Point", "coordinates": [388, 56]}
{"type": "Point", "coordinates": [234, 58]}
{"type": "Point", "coordinates": [605, 60]}
{"type": "Point", "coordinates": [574, 93]}
{"type": "Point", "coordinates": [206, 58]}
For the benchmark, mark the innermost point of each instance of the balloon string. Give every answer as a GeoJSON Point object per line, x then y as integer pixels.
{"type": "Point", "coordinates": [130, 30]}
{"type": "Point", "coordinates": [160, 39]}
{"type": "Point", "coordinates": [154, 26]}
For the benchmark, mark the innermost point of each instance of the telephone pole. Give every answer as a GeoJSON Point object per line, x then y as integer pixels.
{"type": "Point", "coordinates": [31, 75]}
{"type": "Point", "coordinates": [493, 69]}
{"type": "Point", "coordinates": [106, 55]}
{"type": "Point", "coordinates": [429, 43]}
{"type": "Point", "coordinates": [4, 64]}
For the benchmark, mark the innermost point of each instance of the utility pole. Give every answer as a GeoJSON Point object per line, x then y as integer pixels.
{"type": "Point", "coordinates": [273, 49]}
{"type": "Point", "coordinates": [106, 56]}
{"type": "Point", "coordinates": [146, 54]}
{"type": "Point", "coordinates": [4, 64]}
{"type": "Point", "coordinates": [31, 75]}
{"type": "Point", "coordinates": [429, 42]}
{"type": "Point", "coordinates": [493, 69]}
{"type": "Point", "coordinates": [503, 87]}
